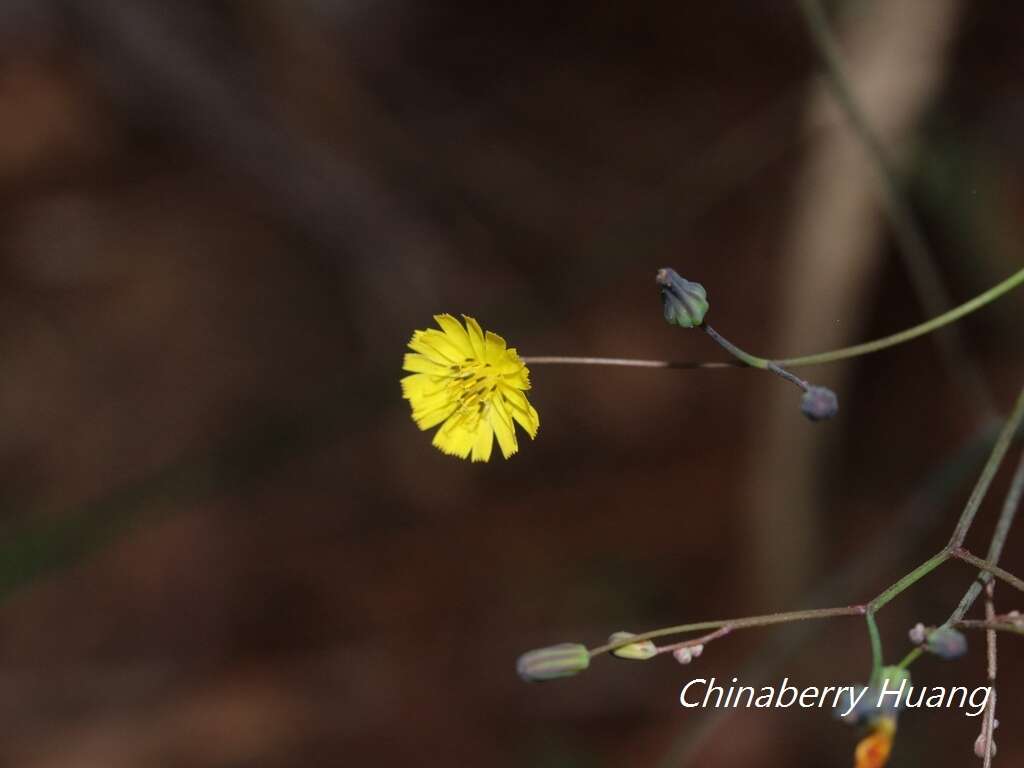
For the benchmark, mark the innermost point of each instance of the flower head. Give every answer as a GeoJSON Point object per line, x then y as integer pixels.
{"type": "Point", "coordinates": [471, 384]}
{"type": "Point", "coordinates": [873, 750]}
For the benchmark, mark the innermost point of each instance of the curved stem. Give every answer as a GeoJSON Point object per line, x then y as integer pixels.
{"type": "Point", "coordinates": [928, 326]}
{"type": "Point", "coordinates": [747, 621]}
{"type": "Point", "coordinates": [910, 658]}
{"type": "Point", "coordinates": [753, 361]}
{"type": "Point", "coordinates": [626, 361]}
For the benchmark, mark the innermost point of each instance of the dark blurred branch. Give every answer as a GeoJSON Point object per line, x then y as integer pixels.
{"type": "Point", "coordinates": [920, 262]}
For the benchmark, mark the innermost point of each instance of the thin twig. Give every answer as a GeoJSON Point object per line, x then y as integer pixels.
{"type": "Point", "coordinates": [987, 473]}
{"type": "Point", "coordinates": [741, 623]}
{"type": "Point", "coordinates": [1006, 517]}
{"type": "Point", "coordinates": [983, 565]}
{"type": "Point", "coordinates": [988, 725]}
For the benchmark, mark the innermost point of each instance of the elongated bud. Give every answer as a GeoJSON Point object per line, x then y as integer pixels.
{"type": "Point", "coordinates": [563, 660]}
{"type": "Point", "coordinates": [685, 302]}
{"type": "Point", "coordinates": [819, 403]}
{"type": "Point", "coordinates": [641, 651]}
{"type": "Point", "coordinates": [946, 643]}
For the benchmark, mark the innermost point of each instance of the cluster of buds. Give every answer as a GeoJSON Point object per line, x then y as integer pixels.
{"type": "Point", "coordinates": [688, 653]}
{"type": "Point", "coordinates": [982, 741]}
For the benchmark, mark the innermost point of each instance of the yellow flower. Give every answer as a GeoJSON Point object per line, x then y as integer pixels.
{"type": "Point", "coordinates": [472, 385]}
{"type": "Point", "coordinates": [873, 750]}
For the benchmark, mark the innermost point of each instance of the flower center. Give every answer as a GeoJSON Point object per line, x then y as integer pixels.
{"type": "Point", "coordinates": [472, 384]}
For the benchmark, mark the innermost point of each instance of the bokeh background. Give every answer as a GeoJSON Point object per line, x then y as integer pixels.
{"type": "Point", "coordinates": [224, 542]}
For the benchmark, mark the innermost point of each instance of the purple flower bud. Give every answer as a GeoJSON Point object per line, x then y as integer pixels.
{"type": "Point", "coordinates": [946, 643]}
{"type": "Point", "coordinates": [819, 403]}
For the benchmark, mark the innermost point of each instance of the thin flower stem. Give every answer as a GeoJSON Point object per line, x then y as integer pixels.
{"type": "Point", "coordinates": [1006, 517]}
{"type": "Point", "coordinates": [625, 361]}
{"type": "Point", "coordinates": [876, 645]}
{"type": "Point", "coordinates": [844, 353]}
{"type": "Point", "coordinates": [702, 640]}
{"type": "Point", "coordinates": [998, 626]}
{"type": "Point", "coordinates": [988, 725]}
{"type": "Point", "coordinates": [868, 610]}
{"type": "Point", "coordinates": [745, 357]}
{"type": "Point", "coordinates": [983, 565]}
{"type": "Point", "coordinates": [911, 578]}
{"type": "Point", "coordinates": [988, 472]}
{"type": "Point", "coordinates": [928, 326]}
{"type": "Point", "coordinates": [732, 624]}
{"type": "Point", "coordinates": [910, 658]}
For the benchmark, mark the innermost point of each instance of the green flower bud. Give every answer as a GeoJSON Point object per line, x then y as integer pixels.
{"type": "Point", "coordinates": [685, 303]}
{"type": "Point", "coordinates": [563, 660]}
{"type": "Point", "coordinates": [641, 651]}
{"type": "Point", "coordinates": [946, 643]}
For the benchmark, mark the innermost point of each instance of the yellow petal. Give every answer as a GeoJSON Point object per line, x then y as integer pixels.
{"type": "Point", "coordinates": [418, 385]}
{"type": "Point", "coordinates": [494, 351]}
{"type": "Point", "coordinates": [420, 343]}
{"type": "Point", "coordinates": [454, 439]}
{"type": "Point", "coordinates": [504, 430]}
{"type": "Point", "coordinates": [476, 337]}
{"type": "Point", "coordinates": [484, 442]}
{"type": "Point", "coordinates": [417, 363]}
{"type": "Point", "coordinates": [456, 334]}
{"type": "Point", "coordinates": [431, 417]}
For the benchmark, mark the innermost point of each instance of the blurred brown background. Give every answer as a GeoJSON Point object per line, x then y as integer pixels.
{"type": "Point", "coordinates": [224, 542]}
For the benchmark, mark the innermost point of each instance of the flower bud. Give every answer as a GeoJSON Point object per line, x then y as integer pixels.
{"type": "Point", "coordinates": [563, 660]}
{"type": "Point", "coordinates": [685, 303]}
{"type": "Point", "coordinates": [819, 403]}
{"type": "Point", "coordinates": [641, 651]}
{"type": "Point", "coordinates": [946, 643]}
{"type": "Point", "coordinates": [981, 742]}
{"type": "Point", "coordinates": [918, 634]}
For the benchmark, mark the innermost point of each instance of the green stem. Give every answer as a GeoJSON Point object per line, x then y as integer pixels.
{"type": "Point", "coordinates": [995, 548]}
{"type": "Point", "coordinates": [743, 623]}
{"type": "Point", "coordinates": [876, 645]}
{"type": "Point", "coordinates": [909, 334]}
{"type": "Point", "coordinates": [913, 577]}
{"type": "Point", "coordinates": [910, 658]}
{"type": "Point", "coordinates": [844, 353]}
{"type": "Point", "coordinates": [752, 360]}
{"type": "Point", "coordinates": [988, 472]}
